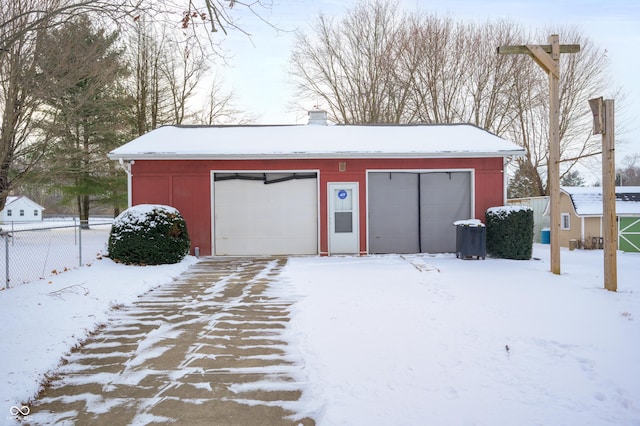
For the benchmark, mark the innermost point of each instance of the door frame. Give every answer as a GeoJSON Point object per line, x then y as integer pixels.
{"type": "Point", "coordinates": [355, 187]}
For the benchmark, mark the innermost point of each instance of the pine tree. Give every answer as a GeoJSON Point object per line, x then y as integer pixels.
{"type": "Point", "coordinates": [523, 183]}
{"type": "Point", "coordinates": [572, 178]}
{"type": "Point", "coordinates": [85, 113]}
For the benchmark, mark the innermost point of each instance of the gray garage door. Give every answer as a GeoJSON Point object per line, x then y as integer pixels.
{"type": "Point", "coordinates": [414, 212]}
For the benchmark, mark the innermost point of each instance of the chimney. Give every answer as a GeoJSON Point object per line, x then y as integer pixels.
{"type": "Point", "coordinates": [318, 117]}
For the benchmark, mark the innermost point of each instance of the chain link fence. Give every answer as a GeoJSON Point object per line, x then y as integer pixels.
{"type": "Point", "coordinates": [29, 252]}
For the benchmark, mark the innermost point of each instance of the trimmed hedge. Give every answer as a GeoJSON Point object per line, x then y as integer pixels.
{"type": "Point", "coordinates": [149, 234]}
{"type": "Point", "coordinates": [510, 232]}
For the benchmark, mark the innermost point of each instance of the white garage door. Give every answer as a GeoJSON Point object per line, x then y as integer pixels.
{"type": "Point", "coordinates": [275, 216]}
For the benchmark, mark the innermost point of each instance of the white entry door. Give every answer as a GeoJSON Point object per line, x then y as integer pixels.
{"type": "Point", "coordinates": [343, 218]}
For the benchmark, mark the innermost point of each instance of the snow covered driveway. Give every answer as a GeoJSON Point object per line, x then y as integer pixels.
{"type": "Point", "coordinates": [205, 349]}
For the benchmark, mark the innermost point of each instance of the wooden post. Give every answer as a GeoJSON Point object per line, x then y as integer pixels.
{"type": "Point", "coordinates": [604, 123]}
{"type": "Point", "coordinates": [548, 58]}
{"type": "Point", "coordinates": [554, 154]}
{"type": "Point", "coordinates": [609, 223]}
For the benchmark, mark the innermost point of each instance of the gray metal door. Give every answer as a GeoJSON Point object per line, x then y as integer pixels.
{"type": "Point", "coordinates": [411, 212]}
{"type": "Point", "coordinates": [393, 213]}
{"type": "Point", "coordinates": [444, 198]}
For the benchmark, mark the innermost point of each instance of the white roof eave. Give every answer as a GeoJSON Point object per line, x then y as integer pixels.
{"type": "Point", "coordinates": [308, 155]}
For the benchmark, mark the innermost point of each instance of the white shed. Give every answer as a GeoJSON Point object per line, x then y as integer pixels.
{"type": "Point", "coordinates": [21, 209]}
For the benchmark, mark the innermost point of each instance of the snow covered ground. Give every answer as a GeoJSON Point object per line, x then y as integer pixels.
{"type": "Point", "coordinates": [421, 339]}
{"type": "Point", "coordinates": [41, 249]}
{"type": "Point", "coordinates": [413, 339]}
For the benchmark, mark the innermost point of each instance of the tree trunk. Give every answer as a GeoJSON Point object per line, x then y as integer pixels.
{"type": "Point", "coordinates": [4, 181]}
{"type": "Point", "coordinates": [83, 210]}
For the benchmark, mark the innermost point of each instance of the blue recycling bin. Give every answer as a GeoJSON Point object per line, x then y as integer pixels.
{"type": "Point", "coordinates": [545, 236]}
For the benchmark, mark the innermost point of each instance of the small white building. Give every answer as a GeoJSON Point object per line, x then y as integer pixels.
{"type": "Point", "coordinates": [21, 209]}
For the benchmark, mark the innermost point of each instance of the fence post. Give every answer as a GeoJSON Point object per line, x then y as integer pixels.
{"type": "Point", "coordinates": [79, 244]}
{"type": "Point", "coordinates": [6, 259]}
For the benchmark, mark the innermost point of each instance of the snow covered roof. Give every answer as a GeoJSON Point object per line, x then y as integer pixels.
{"type": "Point", "coordinates": [12, 199]}
{"type": "Point", "coordinates": [304, 141]}
{"type": "Point", "coordinates": [588, 200]}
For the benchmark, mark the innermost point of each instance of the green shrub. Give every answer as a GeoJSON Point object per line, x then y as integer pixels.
{"type": "Point", "coordinates": [510, 232]}
{"type": "Point", "coordinates": [149, 235]}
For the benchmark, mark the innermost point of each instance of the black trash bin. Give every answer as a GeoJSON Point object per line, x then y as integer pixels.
{"type": "Point", "coordinates": [471, 239]}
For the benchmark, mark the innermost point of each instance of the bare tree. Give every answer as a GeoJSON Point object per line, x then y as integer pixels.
{"type": "Point", "coordinates": [439, 78]}
{"type": "Point", "coordinates": [583, 76]}
{"type": "Point", "coordinates": [350, 65]}
{"type": "Point", "coordinates": [18, 102]}
{"type": "Point", "coordinates": [489, 78]}
{"type": "Point", "coordinates": [378, 65]}
{"type": "Point", "coordinates": [219, 108]}
{"type": "Point", "coordinates": [217, 14]}
{"type": "Point", "coordinates": [23, 22]}
{"type": "Point", "coordinates": [168, 79]}
{"type": "Point", "coordinates": [145, 47]}
{"type": "Point", "coordinates": [22, 26]}
{"type": "Point", "coordinates": [19, 19]}
{"type": "Point", "coordinates": [629, 175]}
{"type": "Point", "coordinates": [183, 67]}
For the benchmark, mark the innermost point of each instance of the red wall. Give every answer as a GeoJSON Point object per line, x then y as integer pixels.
{"type": "Point", "coordinates": [186, 185]}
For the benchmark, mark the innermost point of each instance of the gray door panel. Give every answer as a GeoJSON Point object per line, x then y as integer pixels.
{"type": "Point", "coordinates": [414, 212]}
{"type": "Point", "coordinates": [444, 198]}
{"type": "Point", "coordinates": [393, 207]}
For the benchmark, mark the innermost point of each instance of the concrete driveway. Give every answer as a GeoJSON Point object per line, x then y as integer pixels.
{"type": "Point", "coordinates": [207, 349]}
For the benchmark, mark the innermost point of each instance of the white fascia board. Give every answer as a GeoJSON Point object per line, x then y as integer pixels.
{"type": "Point", "coordinates": [307, 156]}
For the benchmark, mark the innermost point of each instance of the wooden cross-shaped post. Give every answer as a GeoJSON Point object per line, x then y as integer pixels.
{"type": "Point", "coordinates": [604, 124]}
{"type": "Point", "coordinates": [548, 58]}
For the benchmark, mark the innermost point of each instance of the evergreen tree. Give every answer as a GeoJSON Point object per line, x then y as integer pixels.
{"type": "Point", "coordinates": [85, 113]}
{"type": "Point", "coordinates": [523, 183]}
{"type": "Point", "coordinates": [572, 178]}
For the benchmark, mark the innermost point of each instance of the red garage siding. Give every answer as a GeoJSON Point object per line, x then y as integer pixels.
{"type": "Point", "coordinates": [151, 187]}
{"type": "Point", "coordinates": [186, 185]}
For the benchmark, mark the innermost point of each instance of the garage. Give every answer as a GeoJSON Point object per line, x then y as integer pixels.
{"type": "Point", "coordinates": [290, 189]}
{"type": "Point", "coordinates": [265, 213]}
{"type": "Point", "coordinates": [413, 212]}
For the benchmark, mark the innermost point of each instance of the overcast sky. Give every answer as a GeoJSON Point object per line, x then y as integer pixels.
{"type": "Point", "coordinates": [258, 72]}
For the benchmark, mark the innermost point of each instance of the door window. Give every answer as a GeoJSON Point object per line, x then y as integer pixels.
{"type": "Point", "coordinates": [343, 210]}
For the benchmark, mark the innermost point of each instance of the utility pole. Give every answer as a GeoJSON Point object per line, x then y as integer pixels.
{"type": "Point", "coordinates": [604, 124]}
{"type": "Point", "coordinates": [548, 58]}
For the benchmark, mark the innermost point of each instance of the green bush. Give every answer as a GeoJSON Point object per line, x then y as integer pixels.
{"type": "Point", "coordinates": [149, 235]}
{"type": "Point", "coordinates": [510, 232]}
